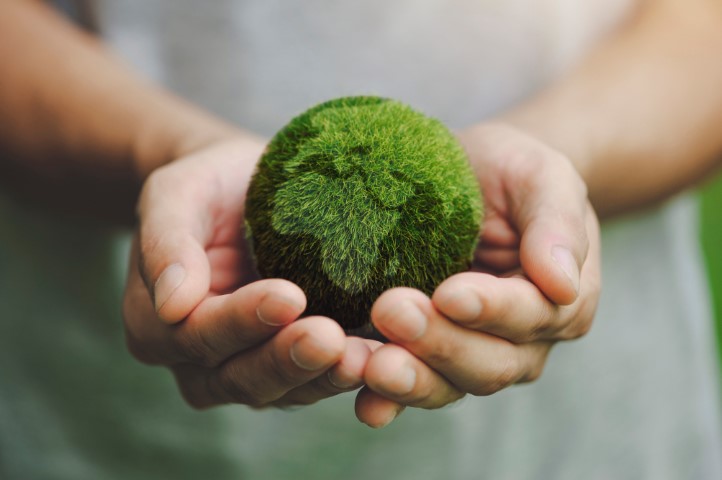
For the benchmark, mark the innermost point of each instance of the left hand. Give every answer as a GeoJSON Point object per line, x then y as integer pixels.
{"type": "Point", "coordinates": [535, 281]}
{"type": "Point", "coordinates": [194, 303]}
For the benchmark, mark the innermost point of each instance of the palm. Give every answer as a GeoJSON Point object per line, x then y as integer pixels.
{"type": "Point", "coordinates": [230, 169]}
{"type": "Point", "coordinates": [530, 193]}
{"type": "Point", "coordinates": [498, 249]}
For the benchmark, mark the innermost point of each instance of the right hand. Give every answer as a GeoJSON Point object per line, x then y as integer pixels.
{"type": "Point", "coordinates": [535, 281]}
{"type": "Point", "coordinates": [194, 304]}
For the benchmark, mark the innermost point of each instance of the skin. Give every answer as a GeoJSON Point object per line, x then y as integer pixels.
{"type": "Point", "coordinates": [229, 337]}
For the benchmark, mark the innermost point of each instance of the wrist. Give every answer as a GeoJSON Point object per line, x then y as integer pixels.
{"type": "Point", "coordinates": [565, 137]}
{"type": "Point", "coordinates": [161, 139]}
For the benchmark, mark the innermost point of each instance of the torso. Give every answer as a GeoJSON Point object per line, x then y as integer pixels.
{"type": "Point", "coordinates": [635, 399]}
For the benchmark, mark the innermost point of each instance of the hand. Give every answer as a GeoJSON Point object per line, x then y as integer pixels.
{"type": "Point", "coordinates": [194, 304]}
{"type": "Point", "coordinates": [535, 281]}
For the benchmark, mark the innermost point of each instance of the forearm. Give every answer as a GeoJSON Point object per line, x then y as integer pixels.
{"type": "Point", "coordinates": [76, 122]}
{"type": "Point", "coordinates": [641, 116]}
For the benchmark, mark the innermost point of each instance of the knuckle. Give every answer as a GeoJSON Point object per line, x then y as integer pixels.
{"type": "Point", "coordinates": [536, 367]}
{"type": "Point", "coordinates": [317, 390]}
{"type": "Point", "coordinates": [581, 327]}
{"type": "Point", "coordinates": [194, 401]}
{"type": "Point", "coordinates": [534, 373]}
{"type": "Point", "coordinates": [541, 323]}
{"type": "Point", "coordinates": [424, 394]}
{"type": "Point", "coordinates": [454, 396]}
{"type": "Point", "coordinates": [238, 391]}
{"type": "Point", "coordinates": [505, 375]}
{"type": "Point", "coordinates": [583, 320]}
{"type": "Point", "coordinates": [440, 354]}
{"type": "Point", "coordinates": [431, 399]}
{"type": "Point", "coordinates": [138, 351]}
{"type": "Point", "coordinates": [194, 347]}
{"type": "Point", "coordinates": [279, 370]}
{"type": "Point", "coordinates": [194, 387]}
{"type": "Point", "coordinates": [258, 389]}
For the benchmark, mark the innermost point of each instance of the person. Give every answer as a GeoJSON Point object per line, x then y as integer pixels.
{"type": "Point", "coordinates": [636, 398]}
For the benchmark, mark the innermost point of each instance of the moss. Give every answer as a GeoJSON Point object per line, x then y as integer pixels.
{"type": "Point", "coordinates": [358, 195]}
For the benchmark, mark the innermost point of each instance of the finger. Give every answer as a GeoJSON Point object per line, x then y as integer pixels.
{"type": "Point", "coordinates": [375, 410]}
{"type": "Point", "coordinates": [174, 230]}
{"type": "Point", "coordinates": [497, 232]}
{"type": "Point", "coordinates": [139, 317]}
{"type": "Point", "coordinates": [550, 216]}
{"type": "Point", "coordinates": [229, 268]}
{"type": "Point", "coordinates": [515, 309]}
{"type": "Point", "coordinates": [397, 375]}
{"type": "Point", "coordinates": [348, 373]}
{"type": "Point", "coordinates": [473, 362]}
{"type": "Point", "coordinates": [227, 324]}
{"type": "Point", "coordinates": [345, 376]}
{"type": "Point", "coordinates": [296, 355]}
{"type": "Point", "coordinates": [218, 328]}
{"type": "Point", "coordinates": [512, 308]}
{"type": "Point", "coordinates": [498, 259]}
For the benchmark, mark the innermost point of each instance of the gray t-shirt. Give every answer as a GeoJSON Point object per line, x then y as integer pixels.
{"type": "Point", "coordinates": [635, 399]}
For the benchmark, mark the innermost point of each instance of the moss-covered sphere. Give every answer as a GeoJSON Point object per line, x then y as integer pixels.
{"type": "Point", "coordinates": [358, 195]}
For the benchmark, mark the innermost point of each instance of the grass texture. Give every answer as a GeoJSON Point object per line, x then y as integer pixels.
{"type": "Point", "coordinates": [358, 195]}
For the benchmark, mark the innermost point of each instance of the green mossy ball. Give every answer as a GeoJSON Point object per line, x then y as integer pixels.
{"type": "Point", "coordinates": [358, 195]}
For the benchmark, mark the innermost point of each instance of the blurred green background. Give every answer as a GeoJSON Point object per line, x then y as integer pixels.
{"type": "Point", "coordinates": [712, 244]}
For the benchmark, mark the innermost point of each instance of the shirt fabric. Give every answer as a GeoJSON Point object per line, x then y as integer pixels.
{"type": "Point", "coordinates": [634, 399]}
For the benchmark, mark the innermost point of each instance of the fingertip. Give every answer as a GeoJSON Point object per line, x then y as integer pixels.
{"type": "Point", "coordinates": [388, 372]}
{"type": "Point", "coordinates": [372, 344]}
{"type": "Point", "coordinates": [566, 262]}
{"type": "Point", "coordinates": [458, 298]}
{"type": "Point", "coordinates": [320, 342]}
{"type": "Point", "coordinates": [286, 288]}
{"type": "Point", "coordinates": [349, 371]}
{"type": "Point", "coordinates": [282, 302]}
{"type": "Point", "coordinates": [176, 272]}
{"type": "Point", "coordinates": [177, 291]}
{"type": "Point", "coordinates": [374, 410]}
{"type": "Point", "coordinates": [554, 270]}
{"type": "Point", "coordinates": [392, 297]}
{"type": "Point", "coordinates": [400, 314]}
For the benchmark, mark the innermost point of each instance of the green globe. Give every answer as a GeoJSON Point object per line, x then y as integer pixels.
{"type": "Point", "coordinates": [358, 195]}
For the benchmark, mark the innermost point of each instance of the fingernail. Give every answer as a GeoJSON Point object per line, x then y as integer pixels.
{"type": "Point", "coordinates": [466, 304]}
{"type": "Point", "coordinates": [168, 282]}
{"type": "Point", "coordinates": [339, 381]}
{"type": "Point", "coordinates": [567, 263]}
{"type": "Point", "coordinates": [275, 306]}
{"type": "Point", "coordinates": [309, 354]}
{"type": "Point", "coordinates": [406, 321]}
{"type": "Point", "coordinates": [404, 381]}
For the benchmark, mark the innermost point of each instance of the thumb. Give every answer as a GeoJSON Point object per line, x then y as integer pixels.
{"type": "Point", "coordinates": [173, 260]}
{"type": "Point", "coordinates": [552, 223]}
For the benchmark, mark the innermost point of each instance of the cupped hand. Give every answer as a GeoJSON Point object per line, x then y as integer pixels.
{"type": "Point", "coordinates": [535, 281]}
{"type": "Point", "coordinates": [193, 302]}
